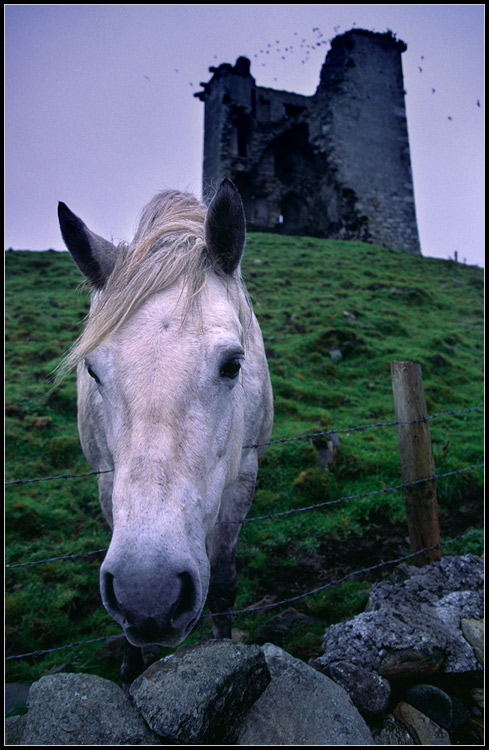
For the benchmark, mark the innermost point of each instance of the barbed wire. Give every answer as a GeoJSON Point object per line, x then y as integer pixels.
{"type": "Point", "coordinates": [55, 559]}
{"type": "Point", "coordinates": [60, 476]}
{"type": "Point", "coordinates": [358, 428]}
{"type": "Point", "coordinates": [278, 514]}
{"type": "Point", "coordinates": [394, 488]}
{"type": "Point", "coordinates": [57, 648]}
{"type": "Point", "coordinates": [304, 436]}
{"type": "Point", "coordinates": [269, 605]}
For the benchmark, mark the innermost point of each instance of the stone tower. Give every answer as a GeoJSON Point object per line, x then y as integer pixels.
{"type": "Point", "coordinates": [336, 164]}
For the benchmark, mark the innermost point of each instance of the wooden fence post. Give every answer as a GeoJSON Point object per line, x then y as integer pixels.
{"type": "Point", "coordinates": [417, 461]}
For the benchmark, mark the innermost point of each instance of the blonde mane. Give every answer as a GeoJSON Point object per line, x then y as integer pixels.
{"type": "Point", "coordinates": [168, 245]}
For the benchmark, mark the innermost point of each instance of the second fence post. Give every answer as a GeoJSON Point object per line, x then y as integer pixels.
{"type": "Point", "coordinates": [416, 455]}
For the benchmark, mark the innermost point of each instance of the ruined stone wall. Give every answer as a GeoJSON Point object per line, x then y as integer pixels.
{"type": "Point", "coordinates": [360, 122]}
{"type": "Point", "coordinates": [335, 164]}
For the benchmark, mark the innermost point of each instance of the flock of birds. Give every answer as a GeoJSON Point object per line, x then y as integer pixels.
{"type": "Point", "coordinates": [303, 47]}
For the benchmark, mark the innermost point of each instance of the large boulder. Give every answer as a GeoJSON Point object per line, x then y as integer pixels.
{"type": "Point", "coordinates": [301, 706]}
{"type": "Point", "coordinates": [200, 694]}
{"type": "Point", "coordinates": [82, 709]}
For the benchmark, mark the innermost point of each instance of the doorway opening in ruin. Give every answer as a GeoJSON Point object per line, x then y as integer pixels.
{"type": "Point", "coordinates": [292, 213]}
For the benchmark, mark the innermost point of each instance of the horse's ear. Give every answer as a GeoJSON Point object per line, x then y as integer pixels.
{"type": "Point", "coordinates": [225, 228]}
{"type": "Point", "coordinates": [94, 256]}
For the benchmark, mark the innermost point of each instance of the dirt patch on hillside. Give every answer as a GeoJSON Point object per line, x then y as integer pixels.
{"type": "Point", "coordinates": [337, 558]}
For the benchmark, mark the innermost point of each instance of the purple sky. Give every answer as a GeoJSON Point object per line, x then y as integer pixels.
{"type": "Point", "coordinates": [100, 112]}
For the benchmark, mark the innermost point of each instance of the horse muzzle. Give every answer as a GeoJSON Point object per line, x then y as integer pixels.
{"type": "Point", "coordinates": [152, 608]}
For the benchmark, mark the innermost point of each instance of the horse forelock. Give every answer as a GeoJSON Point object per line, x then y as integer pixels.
{"type": "Point", "coordinates": [168, 246]}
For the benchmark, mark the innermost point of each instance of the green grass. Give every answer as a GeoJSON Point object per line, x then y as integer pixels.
{"type": "Point", "coordinates": [310, 295]}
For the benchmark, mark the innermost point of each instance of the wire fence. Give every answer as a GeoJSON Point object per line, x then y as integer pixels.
{"type": "Point", "coordinates": [330, 584]}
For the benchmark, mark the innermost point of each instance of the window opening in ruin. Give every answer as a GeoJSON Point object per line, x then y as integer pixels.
{"type": "Point", "coordinates": [242, 134]}
{"type": "Point", "coordinates": [264, 110]}
{"type": "Point", "coordinates": [293, 109]}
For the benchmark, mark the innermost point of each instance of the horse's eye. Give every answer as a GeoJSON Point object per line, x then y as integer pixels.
{"type": "Point", "coordinates": [93, 375]}
{"type": "Point", "coordinates": [231, 369]}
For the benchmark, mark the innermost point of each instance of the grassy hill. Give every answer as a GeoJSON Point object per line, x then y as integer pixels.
{"type": "Point", "coordinates": [312, 297]}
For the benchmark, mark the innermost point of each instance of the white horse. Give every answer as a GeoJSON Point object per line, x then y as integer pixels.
{"type": "Point", "coordinates": [173, 393]}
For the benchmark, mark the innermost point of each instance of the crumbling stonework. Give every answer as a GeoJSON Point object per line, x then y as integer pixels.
{"type": "Point", "coordinates": [336, 164]}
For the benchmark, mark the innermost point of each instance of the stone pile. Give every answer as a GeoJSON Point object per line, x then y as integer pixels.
{"type": "Point", "coordinates": [408, 670]}
{"type": "Point", "coordinates": [218, 692]}
{"type": "Point", "coordinates": [413, 660]}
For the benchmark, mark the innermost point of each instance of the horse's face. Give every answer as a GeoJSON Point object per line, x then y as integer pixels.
{"type": "Point", "coordinates": [162, 398]}
{"type": "Point", "coordinates": [172, 402]}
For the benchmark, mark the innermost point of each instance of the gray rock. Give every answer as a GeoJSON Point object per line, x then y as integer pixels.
{"type": "Point", "coordinates": [200, 694]}
{"type": "Point", "coordinates": [14, 729]}
{"type": "Point", "coordinates": [416, 608]}
{"type": "Point", "coordinates": [336, 354]}
{"type": "Point", "coordinates": [301, 706]}
{"type": "Point", "coordinates": [431, 584]}
{"type": "Point", "coordinates": [82, 709]}
{"type": "Point", "coordinates": [369, 691]}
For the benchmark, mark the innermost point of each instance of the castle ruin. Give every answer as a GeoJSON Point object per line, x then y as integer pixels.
{"type": "Point", "coordinates": [335, 164]}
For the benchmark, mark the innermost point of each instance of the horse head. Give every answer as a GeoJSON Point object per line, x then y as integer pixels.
{"type": "Point", "coordinates": [172, 388]}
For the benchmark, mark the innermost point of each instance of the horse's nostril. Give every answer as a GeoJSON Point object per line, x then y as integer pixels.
{"type": "Point", "coordinates": [186, 600]}
{"type": "Point", "coordinates": [108, 594]}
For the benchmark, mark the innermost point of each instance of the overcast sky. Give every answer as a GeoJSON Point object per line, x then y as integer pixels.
{"type": "Point", "coordinates": [100, 112]}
